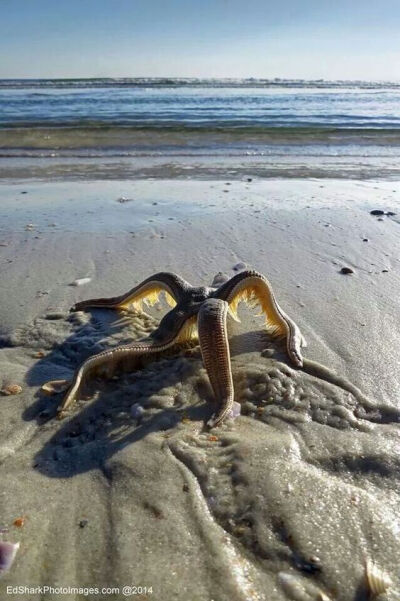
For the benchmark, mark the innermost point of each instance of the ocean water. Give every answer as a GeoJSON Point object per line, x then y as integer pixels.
{"type": "Point", "coordinates": [201, 118]}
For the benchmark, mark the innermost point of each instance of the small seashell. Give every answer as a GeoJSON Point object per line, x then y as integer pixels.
{"type": "Point", "coordinates": [80, 281]}
{"type": "Point", "coordinates": [11, 389]}
{"type": "Point", "coordinates": [235, 411]}
{"type": "Point", "coordinates": [55, 386]}
{"type": "Point", "coordinates": [377, 581]}
{"type": "Point", "coordinates": [8, 552]}
{"type": "Point", "coordinates": [137, 411]}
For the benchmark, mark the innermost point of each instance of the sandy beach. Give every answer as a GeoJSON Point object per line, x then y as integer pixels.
{"type": "Point", "coordinates": [286, 502]}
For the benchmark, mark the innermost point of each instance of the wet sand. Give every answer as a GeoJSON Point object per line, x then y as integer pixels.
{"type": "Point", "coordinates": [289, 500]}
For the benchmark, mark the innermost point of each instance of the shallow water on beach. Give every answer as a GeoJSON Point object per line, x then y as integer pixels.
{"type": "Point", "coordinates": [103, 117]}
{"type": "Point", "coordinates": [201, 106]}
{"type": "Point", "coordinates": [111, 129]}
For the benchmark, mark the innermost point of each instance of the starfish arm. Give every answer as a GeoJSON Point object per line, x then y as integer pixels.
{"type": "Point", "coordinates": [173, 285]}
{"type": "Point", "coordinates": [179, 330]}
{"type": "Point", "coordinates": [214, 346]}
{"type": "Point", "coordinates": [252, 286]}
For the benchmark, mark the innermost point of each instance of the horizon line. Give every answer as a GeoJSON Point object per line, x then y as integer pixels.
{"type": "Point", "coordinates": [200, 78]}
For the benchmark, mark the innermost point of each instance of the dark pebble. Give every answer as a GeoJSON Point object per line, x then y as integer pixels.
{"type": "Point", "coordinates": [310, 566]}
{"type": "Point", "coordinates": [365, 240]}
{"type": "Point", "coordinates": [83, 523]}
{"type": "Point", "coordinates": [380, 212]}
{"type": "Point", "coordinates": [185, 488]}
{"type": "Point", "coordinates": [346, 270]}
{"type": "Point", "coordinates": [385, 270]}
{"type": "Point", "coordinates": [249, 179]}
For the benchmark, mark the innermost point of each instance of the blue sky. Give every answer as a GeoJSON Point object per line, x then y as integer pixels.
{"type": "Point", "coordinates": [330, 39]}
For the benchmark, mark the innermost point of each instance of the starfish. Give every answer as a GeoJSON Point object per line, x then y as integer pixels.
{"type": "Point", "coordinates": [197, 312]}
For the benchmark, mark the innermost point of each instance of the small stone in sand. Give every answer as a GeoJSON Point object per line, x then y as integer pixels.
{"type": "Point", "coordinates": [123, 199]}
{"type": "Point", "coordinates": [346, 270]}
{"type": "Point", "coordinates": [380, 212]}
{"type": "Point", "coordinates": [83, 523]}
{"type": "Point", "coordinates": [19, 522]}
{"type": "Point", "coordinates": [365, 239]}
{"type": "Point", "coordinates": [239, 266]}
{"type": "Point", "coordinates": [80, 282]}
{"type": "Point", "coordinates": [54, 315]}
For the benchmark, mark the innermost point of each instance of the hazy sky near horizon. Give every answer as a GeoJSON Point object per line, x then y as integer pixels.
{"type": "Point", "coordinates": [340, 39]}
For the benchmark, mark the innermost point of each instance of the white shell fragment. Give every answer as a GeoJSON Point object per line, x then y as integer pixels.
{"type": "Point", "coordinates": [55, 386]}
{"type": "Point", "coordinates": [377, 581]}
{"type": "Point", "coordinates": [137, 411]}
{"type": "Point", "coordinates": [80, 281]}
{"type": "Point", "coordinates": [235, 411]}
{"type": "Point", "coordinates": [8, 552]}
{"type": "Point", "coordinates": [300, 589]}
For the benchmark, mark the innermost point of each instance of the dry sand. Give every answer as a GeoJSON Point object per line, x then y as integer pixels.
{"type": "Point", "coordinates": [286, 502]}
